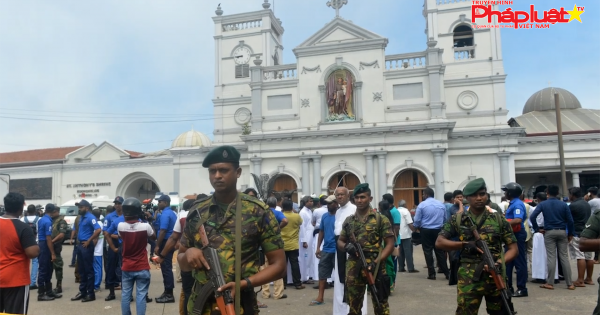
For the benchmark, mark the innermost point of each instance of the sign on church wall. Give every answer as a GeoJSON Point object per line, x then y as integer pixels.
{"type": "Point", "coordinates": [277, 102]}
{"type": "Point", "coordinates": [32, 188]}
{"type": "Point", "coordinates": [408, 91]}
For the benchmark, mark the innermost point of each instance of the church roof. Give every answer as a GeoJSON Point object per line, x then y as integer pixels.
{"type": "Point", "coordinates": [36, 155]}
{"type": "Point", "coordinates": [340, 35]}
{"type": "Point", "coordinates": [543, 100]}
{"type": "Point", "coordinates": [578, 120]}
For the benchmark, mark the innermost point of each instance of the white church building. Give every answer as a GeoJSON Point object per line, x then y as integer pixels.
{"type": "Point", "coordinates": [344, 112]}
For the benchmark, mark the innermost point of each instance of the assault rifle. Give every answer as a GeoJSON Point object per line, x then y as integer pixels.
{"type": "Point", "coordinates": [488, 260]}
{"type": "Point", "coordinates": [224, 299]}
{"type": "Point", "coordinates": [365, 269]}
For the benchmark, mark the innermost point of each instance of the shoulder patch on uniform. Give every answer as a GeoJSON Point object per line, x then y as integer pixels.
{"type": "Point", "coordinates": [93, 221]}
{"type": "Point", "coordinates": [517, 211]}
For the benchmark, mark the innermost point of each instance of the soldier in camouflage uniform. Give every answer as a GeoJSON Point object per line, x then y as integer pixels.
{"type": "Point", "coordinates": [217, 213]}
{"type": "Point", "coordinates": [474, 283]}
{"type": "Point", "coordinates": [371, 230]}
{"type": "Point", "coordinates": [59, 229]}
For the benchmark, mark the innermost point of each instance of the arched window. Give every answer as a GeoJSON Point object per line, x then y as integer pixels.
{"type": "Point", "coordinates": [464, 47]}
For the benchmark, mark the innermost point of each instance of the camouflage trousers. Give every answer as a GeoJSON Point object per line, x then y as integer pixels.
{"type": "Point", "coordinates": [356, 284]}
{"type": "Point", "coordinates": [58, 267]}
{"type": "Point", "coordinates": [470, 294]}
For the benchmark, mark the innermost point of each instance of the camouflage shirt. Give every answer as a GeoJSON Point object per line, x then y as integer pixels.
{"type": "Point", "coordinates": [491, 232]}
{"type": "Point", "coordinates": [368, 233]}
{"type": "Point", "coordinates": [59, 225]}
{"type": "Point", "coordinates": [259, 228]}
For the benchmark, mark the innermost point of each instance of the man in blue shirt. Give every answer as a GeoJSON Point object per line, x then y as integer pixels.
{"type": "Point", "coordinates": [113, 269]}
{"type": "Point", "coordinates": [47, 256]}
{"type": "Point", "coordinates": [516, 216]}
{"type": "Point", "coordinates": [327, 254]}
{"type": "Point", "coordinates": [557, 218]}
{"type": "Point", "coordinates": [429, 219]}
{"type": "Point", "coordinates": [167, 222]}
{"type": "Point", "coordinates": [87, 231]}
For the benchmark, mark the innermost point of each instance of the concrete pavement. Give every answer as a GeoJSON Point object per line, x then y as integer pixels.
{"type": "Point", "coordinates": [414, 295]}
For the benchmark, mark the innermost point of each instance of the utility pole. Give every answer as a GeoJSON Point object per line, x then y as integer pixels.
{"type": "Point", "coordinates": [561, 151]}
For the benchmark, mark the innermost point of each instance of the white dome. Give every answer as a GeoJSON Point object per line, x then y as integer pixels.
{"type": "Point", "coordinates": [191, 138]}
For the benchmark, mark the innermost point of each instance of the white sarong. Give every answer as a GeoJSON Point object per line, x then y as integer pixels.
{"type": "Point", "coordinates": [539, 268]}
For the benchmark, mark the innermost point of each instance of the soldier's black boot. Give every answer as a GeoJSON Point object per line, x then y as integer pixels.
{"type": "Point", "coordinates": [58, 286]}
{"type": "Point", "coordinates": [51, 293]}
{"type": "Point", "coordinates": [42, 294]}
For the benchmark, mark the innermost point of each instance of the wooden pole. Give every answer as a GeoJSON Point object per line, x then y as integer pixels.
{"type": "Point", "coordinates": [561, 151]}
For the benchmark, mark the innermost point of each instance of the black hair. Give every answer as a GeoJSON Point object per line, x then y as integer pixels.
{"type": "Point", "coordinates": [429, 192]}
{"type": "Point", "coordinates": [249, 190]}
{"type": "Point", "coordinates": [322, 200]}
{"type": "Point", "coordinates": [457, 193]}
{"type": "Point", "coordinates": [31, 210]}
{"type": "Point", "coordinates": [575, 192]}
{"type": "Point", "coordinates": [448, 196]}
{"type": "Point", "coordinates": [384, 208]}
{"type": "Point", "coordinates": [541, 196]}
{"type": "Point", "coordinates": [110, 209]}
{"type": "Point", "coordinates": [389, 198]}
{"type": "Point", "coordinates": [201, 196]}
{"type": "Point", "coordinates": [13, 202]}
{"type": "Point", "coordinates": [553, 190]}
{"type": "Point", "coordinates": [188, 204]}
{"type": "Point", "coordinates": [287, 205]}
{"type": "Point", "coordinates": [288, 195]}
{"type": "Point", "coordinates": [277, 196]}
{"type": "Point", "coordinates": [593, 190]}
{"type": "Point", "coordinates": [96, 213]}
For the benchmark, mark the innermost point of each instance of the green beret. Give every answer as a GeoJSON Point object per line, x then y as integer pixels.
{"type": "Point", "coordinates": [222, 154]}
{"type": "Point", "coordinates": [361, 188]}
{"type": "Point", "coordinates": [473, 187]}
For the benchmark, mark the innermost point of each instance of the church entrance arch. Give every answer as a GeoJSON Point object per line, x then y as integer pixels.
{"type": "Point", "coordinates": [342, 179]}
{"type": "Point", "coordinates": [409, 185]}
{"type": "Point", "coordinates": [285, 184]}
{"type": "Point", "coordinates": [138, 185]}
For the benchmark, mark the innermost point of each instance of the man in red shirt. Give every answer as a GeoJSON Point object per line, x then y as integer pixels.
{"type": "Point", "coordinates": [135, 267]}
{"type": "Point", "coordinates": [17, 248]}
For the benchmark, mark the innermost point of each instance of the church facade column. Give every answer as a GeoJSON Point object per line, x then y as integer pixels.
{"type": "Point", "coordinates": [381, 174]}
{"type": "Point", "coordinates": [305, 176]}
{"type": "Point", "coordinates": [438, 164]}
{"type": "Point", "coordinates": [370, 168]}
{"type": "Point", "coordinates": [256, 169]}
{"type": "Point", "coordinates": [316, 187]}
{"type": "Point", "coordinates": [575, 175]}
{"type": "Point", "coordinates": [504, 168]}
{"type": "Point", "coordinates": [256, 95]}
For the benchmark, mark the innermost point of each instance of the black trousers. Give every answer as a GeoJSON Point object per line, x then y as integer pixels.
{"type": "Point", "coordinates": [187, 283]}
{"type": "Point", "coordinates": [14, 300]}
{"type": "Point", "coordinates": [292, 257]}
{"type": "Point", "coordinates": [428, 238]}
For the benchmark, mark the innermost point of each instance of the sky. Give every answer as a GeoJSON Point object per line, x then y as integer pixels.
{"type": "Point", "coordinates": [138, 73]}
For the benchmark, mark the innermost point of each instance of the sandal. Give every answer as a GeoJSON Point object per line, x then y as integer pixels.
{"type": "Point", "coordinates": [262, 305]}
{"type": "Point", "coordinates": [571, 287]}
{"type": "Point", "coordinates": [579, 284]}
{"type": "Point", "coordinates": [590, 282]}
{"type": "Point", "coordinates": [547, 286]}
{"type": "Point", "coordinates": [300, 287]}
{"type": "Point", "coordinates": [314, 303]}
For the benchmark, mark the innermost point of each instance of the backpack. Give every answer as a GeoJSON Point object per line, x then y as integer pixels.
{"type": "Point", "coordinates": [32, 225]}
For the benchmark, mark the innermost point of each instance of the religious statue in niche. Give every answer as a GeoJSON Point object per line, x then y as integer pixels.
{"type": "Point", "coordinates": [340, 101]}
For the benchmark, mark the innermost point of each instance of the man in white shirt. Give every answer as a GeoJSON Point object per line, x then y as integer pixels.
{"type": "Point", "coordinates": [346, 209]}
{"type": "Point", "coordinates": [306, 240]}
{"type": "Point", "coordinates": [406, 247]}
{"type": "Point", "coordinates": [316, 222]}
{"type": "Point", "coordinates": [98, 252]}
{"type": "Point", "coordinates": [32, 219]}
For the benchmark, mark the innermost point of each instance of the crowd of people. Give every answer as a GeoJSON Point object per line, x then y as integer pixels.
{"type": "Point", "coordinates": [329, 241]}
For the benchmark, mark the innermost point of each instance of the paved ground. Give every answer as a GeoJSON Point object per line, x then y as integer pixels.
{"type": "Point", "coordinates": [414, 294]}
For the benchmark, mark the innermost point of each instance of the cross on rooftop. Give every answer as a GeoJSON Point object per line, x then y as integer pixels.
{"type": "Point", "coordinates": [337, 5]}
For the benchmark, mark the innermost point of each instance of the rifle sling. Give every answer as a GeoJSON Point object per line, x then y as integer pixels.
{"type": "Point", "coordinates": [238, 251]}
